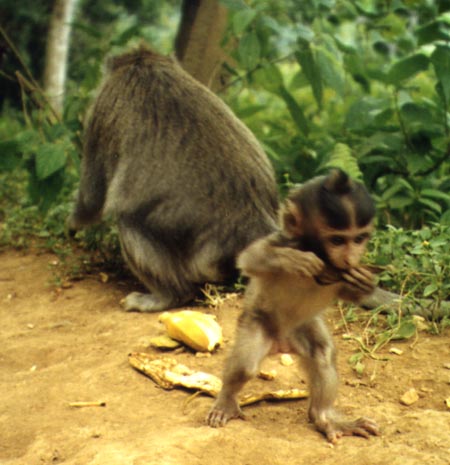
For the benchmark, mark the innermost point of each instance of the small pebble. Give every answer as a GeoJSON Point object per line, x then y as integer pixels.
{"type": "Point", "coordinates": [409, 397]}
{"type": "Point", "coordinates": [286, 360]}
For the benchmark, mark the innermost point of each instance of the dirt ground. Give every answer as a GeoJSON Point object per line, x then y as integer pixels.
{"type": "Point", "coordinates": [64, 345]}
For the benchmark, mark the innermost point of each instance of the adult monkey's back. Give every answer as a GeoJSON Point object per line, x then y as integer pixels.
{"type": "Point", "coordinates": [187, 182]}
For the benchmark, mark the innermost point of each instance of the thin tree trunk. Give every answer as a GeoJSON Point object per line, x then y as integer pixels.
{"type": "Point", "coordinates": [57, 52]}
{"type": "Point", "coordinates": [198, 42]}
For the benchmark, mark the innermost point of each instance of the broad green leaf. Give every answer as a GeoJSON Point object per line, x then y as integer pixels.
{"type": "Point", "coordinates": [382, 117]}
{"type": "Point", "coordinates": [342, 157]}
{"type": "Point", "coordinates": [407, 68]}
{"type": "Point", "coordinates": [242, 19]}
{"type": "Point", "coordinates": [367, 7]}
{"type": "Point", "coordinates": [430, 289]}
{"type": "Point", "coordinates": [249, 50]}
{"type": "Point", "coordinates": [417, 162]}
{"type": "Point", "coordinates": [309, 66]}
{"type": "Point", "coordinates": [431, 204]}
{"type": "Point", "coordinates": [434, 193]}
{"type": "Point", "coordinates": [10, 155]}
{"type": "Point", "coordinates": [435, 243]}
{"type": "Point", "coordinates": [399, 202]}
{"type": "Point", "coordinates": [390, 192]}
{"type": "Point", "coordinates": [28, 140]}
{"type": "Point", "coordinates": [249, 110]}
{"type": "Point", "coordinates": [417, 250]}
{"type": "Point", "coordinates": [44, 193]}
{"type": "Point", "coordinates": [295, 110]}
{"type": "Point", "coordinates": [270, 23]}
{"type": "Point", "coordinates": [387, 144]}
{"type": "Point", "coordinates": [269, 77]}
{"type": "Point", "coordinates": [441, 63]}
{"type": "Point", "coordinates": [403, 182]}
{"type": "Point", "coordinates": [50, 158]}
{"type": "Point", "coordinates": [331, 71]}
{"type": "Point", "coordinates": [416, 113]}
{"type": "Point", "coordinates": [432, 32]}
{"type": "Point", "coordinates": [406, 330]}
{"type": "Point", "coordinates": [363, 113]}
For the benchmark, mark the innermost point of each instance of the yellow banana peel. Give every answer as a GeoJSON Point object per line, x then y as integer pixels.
{"type": "Point", "coordinates": [195, 329]}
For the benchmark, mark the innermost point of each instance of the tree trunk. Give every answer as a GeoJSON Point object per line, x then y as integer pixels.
{"type": "Point", "coordinates": [57, 52]}
{"type": "Point", "coordinates": [198, 42]}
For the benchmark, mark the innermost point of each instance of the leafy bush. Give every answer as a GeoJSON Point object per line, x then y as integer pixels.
{"type": "Point", "coordinates": [368, 76]}
{"type": "Point", "coordinates": [417, 263]}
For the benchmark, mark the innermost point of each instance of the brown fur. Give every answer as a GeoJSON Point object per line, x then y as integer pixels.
{"type": "Point", "coordinates": [285, 301]}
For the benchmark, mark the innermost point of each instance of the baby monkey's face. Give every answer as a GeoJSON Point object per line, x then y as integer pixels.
{"type": "Point", "coordinates": [344, 248]}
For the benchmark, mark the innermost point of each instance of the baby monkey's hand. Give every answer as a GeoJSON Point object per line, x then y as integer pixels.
{"type": "Point", "coordinates": [359, 279]}
{"type": "Point", "coordinates": [299, 262]}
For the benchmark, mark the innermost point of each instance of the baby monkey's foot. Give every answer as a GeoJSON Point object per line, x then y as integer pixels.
{"type": "Point", "coordinates": [222, 411]}
{"type": "Point", "coordinates": [334, 429]}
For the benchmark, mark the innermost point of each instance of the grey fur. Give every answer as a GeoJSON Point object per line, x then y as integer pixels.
{"type": "Point", "coordinates": [188, 182]}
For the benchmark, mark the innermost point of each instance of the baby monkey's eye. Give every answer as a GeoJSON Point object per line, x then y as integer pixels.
{"type": "Point", "coordinates": [337, 240]}
{"type": "Point", "coordinates": [361, 238]}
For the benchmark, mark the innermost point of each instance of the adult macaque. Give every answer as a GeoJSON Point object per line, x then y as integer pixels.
{"type": "Point", "coordinates": [294, 275]}
{"type": "Point", "coordinates": [187, 182]}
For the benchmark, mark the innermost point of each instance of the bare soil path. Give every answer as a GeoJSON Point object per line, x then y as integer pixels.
{"type": "Point", "coordinates": [65, 345]}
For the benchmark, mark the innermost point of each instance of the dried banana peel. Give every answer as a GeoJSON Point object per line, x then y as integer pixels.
{"type": "Point", "coordinates": [195, 329]}
{"type": "Point", "coordinates": [167, 373]}
{"type": "Point", "coordinates": [164, 342]}
{"type": "Point", "coordinates": [281, 394]}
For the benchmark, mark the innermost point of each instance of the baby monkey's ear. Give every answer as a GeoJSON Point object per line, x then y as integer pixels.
{"type": "Point", "coordinates": [291, 219]}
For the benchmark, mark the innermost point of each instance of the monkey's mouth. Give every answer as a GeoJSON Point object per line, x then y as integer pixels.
{"type": "Point", "coordinates": [329, 275]}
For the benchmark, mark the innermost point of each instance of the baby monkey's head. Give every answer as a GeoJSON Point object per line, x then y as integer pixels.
{"type": "Point", "coordinates": [332, 216]}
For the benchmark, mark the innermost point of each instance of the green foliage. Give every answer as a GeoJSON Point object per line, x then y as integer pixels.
{"type": "Point", "coordinates": [35, 140]}
{"type": "Point", "coordinates": [370, 76]}
{"type": "Point", "coordinates": [48, 152]}
{"type": "Point", "coordinates": [417, 263]}
{"type": "Point", "coordinates": [360, 85]}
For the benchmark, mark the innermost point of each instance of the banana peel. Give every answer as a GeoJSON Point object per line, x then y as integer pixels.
{"type": "Point", "coordinates": [198, 330]}
{"type": "Point", "coordinates": [280, 394]}
{"type": "Point", "coordinates": [167, 373]}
